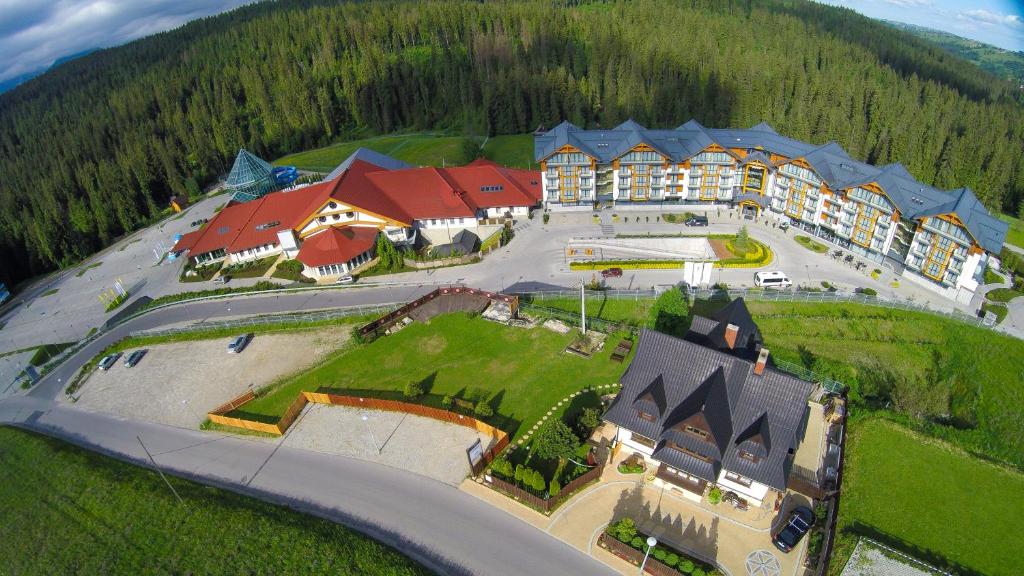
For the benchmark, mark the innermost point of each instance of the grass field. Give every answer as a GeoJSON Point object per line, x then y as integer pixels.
{"type": "Point", "coordinates": [930, 500]}
{"type": "Point", "coordinates": [1003, 294]}
{"type": "Point", "coordinates": [514, 151]}
{"type": "Point", "coordinates": [1015, 235]}
{"type": "Point", "coordinates": [523, 372]}
{"type": "Point", "coordinates": [69, 511]}
{"type": "Point", "coordinates": [416, 149]}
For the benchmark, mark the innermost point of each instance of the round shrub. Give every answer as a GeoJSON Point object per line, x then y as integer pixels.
{"type": "Point", "coordinates": [715, 495]}
{"type": "Point", "coordinates": [699, 572]}
{"type": "Point", "coordinates": [637, 542]}
{"type": "Point", "coordinates": [659, 553]}
{"type": "Point", "coordinates": [686, 566]}
{"type": "Point", "coordinates": [671, 559]}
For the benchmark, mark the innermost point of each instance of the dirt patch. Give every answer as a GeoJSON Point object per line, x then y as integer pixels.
{"type": "Point", "coordinates": [434, 345]}
{"type": "Point", "coordinates": [721, 250]}
{"type": "Point", "coordinates": [178, 383]}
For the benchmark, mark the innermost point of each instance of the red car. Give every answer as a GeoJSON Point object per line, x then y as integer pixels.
{"type": "Point", "coordinates": [611, 273]}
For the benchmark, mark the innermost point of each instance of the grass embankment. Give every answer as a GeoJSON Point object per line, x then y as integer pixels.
{"type": "Point", "coordinates": [515, 151]}
{"type": "Point", "coordinates": [45, 352]}
{"type": "Point", "coordinates": [85, 269]}
{"type": "Point", "coordinates": [1000, 310]}
{"type": "Point", "coordinates": [928, 498]}
{"type": "Point", "coordinates": [49, 292]}
{"type": "Point", "coordinates": [1015, 235]}
{"type": "Point", "coordinates": [521, 373]}
{"type": "Point", "coordinates": [416, 149]}
{"type": "Point", "coordinates": [69, 511]}
{"type": "Point", "coordinates": [116, 302]}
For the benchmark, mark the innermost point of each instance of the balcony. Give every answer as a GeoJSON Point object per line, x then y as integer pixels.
{"type": "Point", "coordinates": [689, 484]}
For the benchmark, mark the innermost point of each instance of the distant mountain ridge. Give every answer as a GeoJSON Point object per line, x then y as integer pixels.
{"type": "Point", "coordinates": [11, 83]}
{"type": "Point", "coordinates": [1003, 63]}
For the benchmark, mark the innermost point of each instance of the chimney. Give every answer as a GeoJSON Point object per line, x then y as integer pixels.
{"type": "Point", "coordinates": [731, 332]}
{"type": "Point", "coordinates": [762, 361]}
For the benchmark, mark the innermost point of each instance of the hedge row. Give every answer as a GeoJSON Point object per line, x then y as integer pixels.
{"type": "Point", "coordinates": [758, 257]}
{"type": "Point", "coordinates": [626, 264]}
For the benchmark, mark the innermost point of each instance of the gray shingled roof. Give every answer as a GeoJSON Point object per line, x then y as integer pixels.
{"type": "Point", "coordinates": [913, 198]}
{"type": "Point", "coordinates": [736, 404]}
{"type": "Point", "coordinates": [711, 331]}
{"type": "Point", "coordinates": [366, 155]}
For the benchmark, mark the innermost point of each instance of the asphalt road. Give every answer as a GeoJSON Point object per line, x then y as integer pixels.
{"type": "Point", "coordinates": [445, 529]}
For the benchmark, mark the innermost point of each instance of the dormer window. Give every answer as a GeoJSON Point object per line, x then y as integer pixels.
{"type": "Point", "coordinates": [332, 205]}
{"type": "Point", "coordinates": [696, 432]}
{"type": "Point", "coordinates": [645, 416]}
{"type": "Point", "coordinates": [322, 219]}
{"type": "Point", "coordinates": [688, 452]}
{"type": "Point", "coordinates": [748, 456]}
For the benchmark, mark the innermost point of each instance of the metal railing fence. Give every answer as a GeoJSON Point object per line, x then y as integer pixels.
{"type": "Point", "coordinates": [278, 319]}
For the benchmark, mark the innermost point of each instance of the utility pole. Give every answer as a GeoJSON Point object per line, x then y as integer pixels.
{"type": "Point", "coordinates": [159, 471]}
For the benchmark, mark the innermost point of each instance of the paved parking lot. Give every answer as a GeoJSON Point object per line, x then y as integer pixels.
{"type": "Point", "coordinates": [179, 383]}
{"type": "Point", "coordinates": [10, 367]}
{"type": "Point", "coordinates": [422, 445]}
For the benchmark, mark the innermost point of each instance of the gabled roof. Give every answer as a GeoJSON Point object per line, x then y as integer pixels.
{"type": "Point", "coordinates": [465, 242]}
{"type": "Point", "coordinates": [711, 332]}
{"type": "Point", "coordinates": [224, 227]}
{"type": "Point", "coordinates": [987, 230]}
{"type": "Point", "coordinates": [336, 245]}
{"type": "Point", "coordinates": [278, 211]}
{"type": "Point", "coordinates": [731, 398]}
{"type": "Point", "coordinates": [371, 157]}
{"type": "Point", "coordinates": [187, 241]}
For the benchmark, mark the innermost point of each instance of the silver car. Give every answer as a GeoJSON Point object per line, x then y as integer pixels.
{"type": "Point", "coordinates": [108, 361]}
{"type": "Point", "coordinates": [239, 343]}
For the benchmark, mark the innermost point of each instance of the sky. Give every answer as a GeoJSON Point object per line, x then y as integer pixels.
{"type": "Point", "coordinates": [35, 33]}
{"type": "Point", "coordinates": [996, 22]}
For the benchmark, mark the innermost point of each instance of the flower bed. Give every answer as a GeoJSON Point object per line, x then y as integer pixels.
{"type": "Point", "coordinates": [626, 264]}
{"type": "Point", "coordinates": [624, 540]}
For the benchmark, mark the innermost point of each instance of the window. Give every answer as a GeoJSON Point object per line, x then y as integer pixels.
{"type": "Point", "coordinates": [697, 432]}
{"type": "Point", "coordinates": [642, 440]}
{"type": "Point", "coordinates": [754, 181]}
{"type": "Point", "coordinates": [689, 452]}
{"type": "Point", "coordinates": [748, 456]}
{"type": "Point", "coordinates": [645, 416]}
{"type": "Point", "coordinates": [736, 478]}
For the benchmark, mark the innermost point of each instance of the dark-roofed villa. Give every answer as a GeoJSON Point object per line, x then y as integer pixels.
{"type": "Point", "coordinates": [711, 410]}
{"type": "Point", "coordinates": [939, 239]}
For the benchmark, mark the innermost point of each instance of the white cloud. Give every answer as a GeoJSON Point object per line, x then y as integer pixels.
{"type": "Point", "coordinates": [992, 18]}
{"type": "Point", "coordinates": [910, 3]}
{"type": "Point", "coordinates": [35, 34]}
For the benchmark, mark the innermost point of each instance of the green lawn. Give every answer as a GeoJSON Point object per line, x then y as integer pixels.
{"type": "Point", "coordinates": [416, 149]}
{"type": "Point", "coordinates": [930, 500]}
{"type": "Point", "coordinates": [69, 511]}
{"type": "Point", "coordinates": [523, 372]}
{"type": "Point", "coordinates": [1015, 235]}
{"type": "Point", "coordinates": [632, 312]}
{"type": "Point", "coordinates": [810, 244]}
{"type": "Point", "coordinates": [515, 151]}
{"type": "Point", "coordinates": [45, 352]}
{"type": "Point", "coordinates": [1003, 294]}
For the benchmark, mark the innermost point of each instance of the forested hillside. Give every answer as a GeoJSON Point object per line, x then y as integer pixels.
{"type": "Point", "coordinates": [1002, 63]}
{"type": "Point", "coordinates": [95, 147]}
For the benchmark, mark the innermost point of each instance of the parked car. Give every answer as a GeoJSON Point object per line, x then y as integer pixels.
{"type": "Point", "coordinates": [696, 221]}
{"type": "Point", "coordinates": [784, 226]}
{"type": "Point", "coordinates": [239, 343]}
{"type": "Point", "coordinates": [222, 279]}
{"type": "Point", "coordinates": [134, 358]}
{"type": "Point", "coordinates": [611, 273]}
{"type": "Point", "coordinates": [772, 279]}
{"type": "Point", "coordinates": [797, 524]}
{"type": "Point", "coordinates": [108, 361]}
{"type": "Point", "coordinates": [346, 279]}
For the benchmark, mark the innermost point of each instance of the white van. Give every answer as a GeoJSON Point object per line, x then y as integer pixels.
{"type": "Point", "coordinates": [773, 279]}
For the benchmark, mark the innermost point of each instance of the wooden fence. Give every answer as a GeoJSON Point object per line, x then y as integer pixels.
{"type": "Point", "coordinates": [390, 319]}
{"type": "Point", "coordinates": [548, 505]}
{"type": "Point", "coordinates": [634, 556]}
{"type": "Point", "coordinates": [218, 415]}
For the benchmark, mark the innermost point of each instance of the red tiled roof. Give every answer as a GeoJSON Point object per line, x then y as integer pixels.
{"type": "Point", "coordinates": [422, 193]}
{"type": "Point", "coordinates": [336, 245]}
{"type": "Point", "coordinates": [287, 208]}
{"type": "Point", "coordinates": [224, 227]}
{"type": "Point", "coordinates": [487, 185]}
{"type": "Point", "coordinates": [187, 241]}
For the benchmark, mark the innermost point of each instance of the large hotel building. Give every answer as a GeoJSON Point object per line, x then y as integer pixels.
{"type": "Point", "coordinates": [939, 239]}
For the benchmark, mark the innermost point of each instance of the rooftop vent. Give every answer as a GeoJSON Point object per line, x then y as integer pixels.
{"type": "Point", "coordinates": [268, 225]}
{"type": "Point", "coordinates": [493, 188]}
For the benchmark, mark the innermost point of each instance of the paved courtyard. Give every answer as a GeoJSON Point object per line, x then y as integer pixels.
{"type": "Point", "coordinates": [425, 446]}
{"type": "Point", "coordinates": [179, 383]}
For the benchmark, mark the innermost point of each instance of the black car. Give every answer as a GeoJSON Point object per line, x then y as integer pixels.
{"type": "Point", "coordinates": [697, 221]}
{"type": "Point", "coordinates": [799, 522]}
{"type": "Point", "coordinates": [134, 358]}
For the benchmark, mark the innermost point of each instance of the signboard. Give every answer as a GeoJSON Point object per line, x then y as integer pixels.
{"type": "Point", "coordinates": [475, 454]}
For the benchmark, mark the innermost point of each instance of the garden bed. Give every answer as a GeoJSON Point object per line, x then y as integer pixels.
{"type": "Point", "coordinates": [193, 273]}
{"type": "Point", "coordinates": [250, 269]}
{"type": "Point", "coordinates": [810, 244]}
{"type": "Point", "coordinates": [624, 540]}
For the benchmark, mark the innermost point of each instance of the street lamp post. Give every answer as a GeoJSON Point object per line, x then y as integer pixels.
{"type": "Point", "coordinates": [651, 543]}
{"type": "Point", "coordinates": [373, 441]}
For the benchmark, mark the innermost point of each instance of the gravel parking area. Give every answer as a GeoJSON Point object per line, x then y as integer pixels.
{"type": "Point", "coordinates": [179, 383]}
{"type": "Point", "coordinates": [421, 445]}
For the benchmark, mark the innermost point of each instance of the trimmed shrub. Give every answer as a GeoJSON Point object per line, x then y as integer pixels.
{"type": "Point", "coordinates": [483, 409]}
{"type": "Point", "coordinates": [659, 554]}
{"type": "Point", "coordinates": [555, 440]}
{"type": "Point", "coordinates": [546, 218]}
{"type": "Point", "coordinates": [503, 468]}
{"type": "Point", "coordinates": [671, 559]}
{"type": "Point", "coordinates": [626, 264]}
{"type": "Point", "coordinates": [699, 572]}
{"type": "Point", "coordinates": [869, 292]}
{"type": "Point", "coordinates": [715, 495]}
{"type": "Point", "coordinates": [637, 542]}
{"type": "Point", "coordinates": [588, 419]}
{"type": "Point", "coordinates": [624, 530]}
{"type": "Point", "coordinates": [686, 566]}
{"type": "Point", "coordinates": [446, 401]}
{"type": "Point", "coordinates": [554, 487]}
{"type": "Point", "coordinates": [413, 389]}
